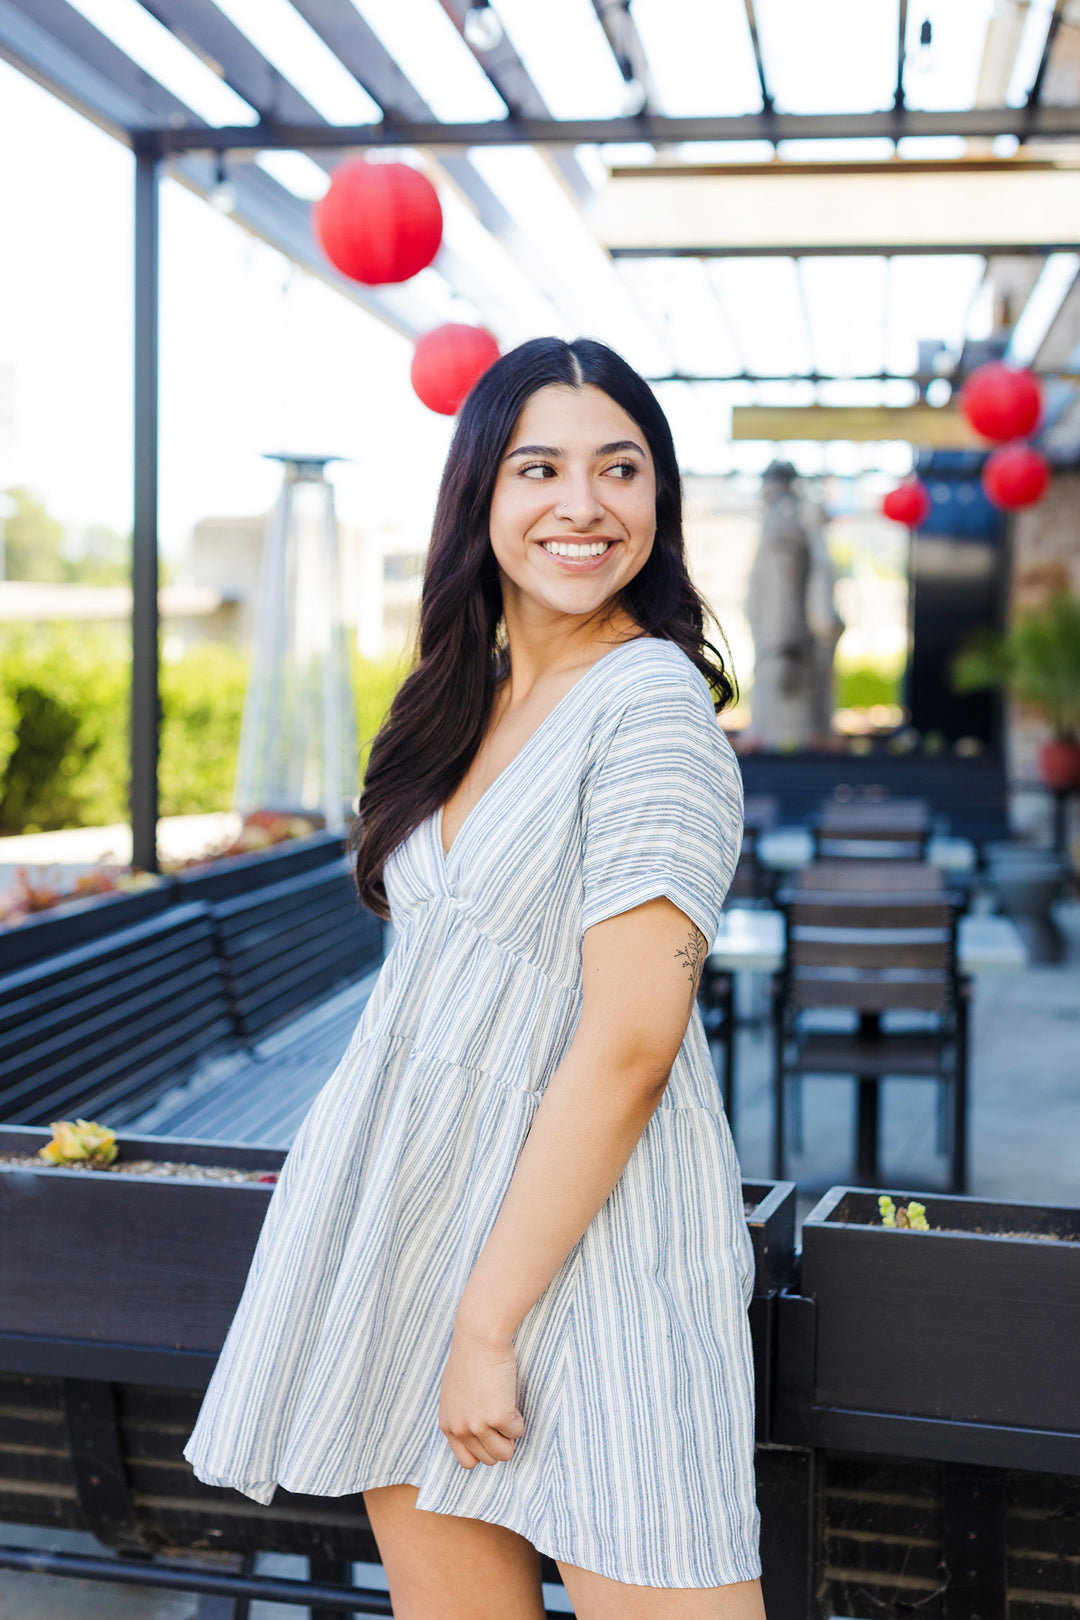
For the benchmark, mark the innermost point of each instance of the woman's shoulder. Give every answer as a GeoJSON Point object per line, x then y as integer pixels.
{"type": "Point", "coordinates": [642, 672]}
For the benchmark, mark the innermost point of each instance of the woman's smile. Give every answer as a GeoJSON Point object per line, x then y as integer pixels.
{"type": "Point", "coordinates": [578, 556]}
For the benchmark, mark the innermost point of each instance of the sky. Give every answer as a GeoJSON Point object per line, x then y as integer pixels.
{"type": "Point", "coordinates": [258, 356]}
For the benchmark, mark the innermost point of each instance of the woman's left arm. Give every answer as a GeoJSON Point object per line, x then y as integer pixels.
{"type": "Point", "coordinates": [640, 976]}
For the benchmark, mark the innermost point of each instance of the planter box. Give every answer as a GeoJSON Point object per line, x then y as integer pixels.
{"type": "Point", "coordinates": [147, 1268]}
{"type": "Point", "coordinates": [770, 1215]}
{"type": "Point", "coordinates": [62, 928]}
{"type": "Point", "coordinates": [963, 1339]}
{"type": "Point", "coordinates": [240, 874]}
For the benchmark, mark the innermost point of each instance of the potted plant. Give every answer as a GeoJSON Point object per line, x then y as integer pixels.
{"type": "Point", "coordinates": [1038, 663]}
{"type": "Point", "coordinates": [967, 1319]}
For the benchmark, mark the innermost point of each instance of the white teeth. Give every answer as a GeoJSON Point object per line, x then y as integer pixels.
{"type": "Point", "coordinates": [566, 548]}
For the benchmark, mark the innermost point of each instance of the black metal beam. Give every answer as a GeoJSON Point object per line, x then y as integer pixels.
{"type": "Point", "coordinates": [800, 250]}
{"type": "Point", "coordinates": [190, 1578]}
{"type": "Point", "coordinates": [901, 55]}
{"type": "Point", "coordinates": [759, 63]}
{"type": "Point", "coordinates": [1042, 123]}
{"type": "Point", "coordinates": [626, 46]}
{"type": "Point", "coordinates": [511, 78]}
{"type": "Point", "coordinates": [1035, 93]}
{"type": "Point", "coordinates": [144, 542]}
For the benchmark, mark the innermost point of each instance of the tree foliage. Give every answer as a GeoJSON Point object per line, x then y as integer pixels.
{"type": "Point", "coordinates": [1037, 662]}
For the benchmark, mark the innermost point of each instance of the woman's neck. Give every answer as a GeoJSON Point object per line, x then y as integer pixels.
{"type": "Point", "coordinates": [538, 651]}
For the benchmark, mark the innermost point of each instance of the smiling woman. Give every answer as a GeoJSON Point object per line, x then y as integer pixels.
{"type": "Point", "coordinates": [502, 1284]}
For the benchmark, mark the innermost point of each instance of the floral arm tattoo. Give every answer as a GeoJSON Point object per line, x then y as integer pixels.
{"type": "Point", "coordinates": [692, 956]}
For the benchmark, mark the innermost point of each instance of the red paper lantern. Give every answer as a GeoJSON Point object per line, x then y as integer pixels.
{"type": "Point", "coordinates": [446, 363]}
{"type": "Point", "coordinates": [378, 222]}
{"type": "Point", "coordinates": [1002, 402]}
{"type": "Point", "coordinates": [1016, 476]}
{"type": "Point", "coordinates": [908, 504]}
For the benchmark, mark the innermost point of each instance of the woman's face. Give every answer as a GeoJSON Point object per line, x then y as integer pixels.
{"type": "Point", "coordinates": [573, 511]}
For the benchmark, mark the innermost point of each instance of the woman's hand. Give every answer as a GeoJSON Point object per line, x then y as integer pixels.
{"type": "Point", "coordinates": [477, 1402]}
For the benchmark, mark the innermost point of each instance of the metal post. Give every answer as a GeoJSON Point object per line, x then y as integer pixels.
{"type": "Point", "coordinates": [144, 550]}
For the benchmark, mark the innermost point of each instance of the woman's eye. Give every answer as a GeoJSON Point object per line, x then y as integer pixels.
{"type": "Point", "coordinates": [624, 469]}
{"type": "Point", "coordinates": [537, 469]}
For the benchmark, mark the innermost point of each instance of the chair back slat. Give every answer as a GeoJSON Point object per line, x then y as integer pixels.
{"type": "Point", "coordinates": [869, 913]}
{"type": "Point", "coordinates": [870, 875]}
{"type": "Point", "coordinates": [871, 994]}
{"type": "Point", "coordinates": [927, 954]}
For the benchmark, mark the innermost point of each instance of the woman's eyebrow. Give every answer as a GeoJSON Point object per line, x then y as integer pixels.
{"type": "Point", "coordinates": [535, 450]}
{"type": "Point", "coordinates": [618, 444]}
{"type": "Point", "coordinates": [552, 451]}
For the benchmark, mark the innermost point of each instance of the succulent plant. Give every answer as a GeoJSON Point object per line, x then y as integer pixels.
{"type": "Point", "coordinates": [83, 1142]}
{"type": "Point", "coordinates": [911, 1215]}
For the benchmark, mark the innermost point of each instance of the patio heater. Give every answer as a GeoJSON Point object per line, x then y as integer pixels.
{"type": "Point", "coordinates": [298, 750]}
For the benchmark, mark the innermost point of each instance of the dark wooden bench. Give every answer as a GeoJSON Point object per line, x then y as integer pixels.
{"type": "Point", "coordinates": [120, 1015]}
{"type": "Point", "coordinates": [286, 946]}
{"type": "Point", "coordinates": [104, 1028]}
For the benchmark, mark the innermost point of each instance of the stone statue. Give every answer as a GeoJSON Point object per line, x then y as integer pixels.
{"type": "Point", "coordinates": [792, 619]}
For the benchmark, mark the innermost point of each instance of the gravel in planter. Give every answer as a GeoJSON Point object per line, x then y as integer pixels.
{"type": "Point", "coordinates": [141, 1167]}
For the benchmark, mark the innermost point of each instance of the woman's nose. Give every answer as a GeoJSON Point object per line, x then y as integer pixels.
{"type": "Point", "coordinates": [580, 504]}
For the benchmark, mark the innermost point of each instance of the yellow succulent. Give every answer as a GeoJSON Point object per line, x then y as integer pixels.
{"type": "Point", "coordinates": [888, 1210]}
{"type": "Point", "coordinates": [917, 1217]}
{"type": "Point", "coordinates": [83, 1142]}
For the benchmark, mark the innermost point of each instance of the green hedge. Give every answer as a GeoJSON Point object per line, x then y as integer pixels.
{"type": "Point", "coordinates": [64, 706]}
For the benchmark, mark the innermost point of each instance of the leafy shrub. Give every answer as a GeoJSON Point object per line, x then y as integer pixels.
{"type": "Point", "coordinates": [860, 686]}
{"type": "Point", "coordinates": [64, 725]}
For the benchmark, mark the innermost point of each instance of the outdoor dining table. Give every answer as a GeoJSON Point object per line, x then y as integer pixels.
{"type": "Point", "coordinates": [785, 849]}
{"type": "Point", "coordinates": [754, 941]}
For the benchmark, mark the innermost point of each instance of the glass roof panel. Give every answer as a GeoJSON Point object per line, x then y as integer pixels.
{"type": "Point", "coordinates": [158, 52]}
{"type": "Point", "coordinates": [432, 54]}
{"type": "Point", "coordinates": [762, 304]}
{"type": "Point", "coordinates": [1039, 313]}
{"type": "Point", "coordinates": [845, 298]}
{"type": "Point", "coordinates": [929, 297]}
{"type": "Point", "coordinates": [285, 39]}
{"type": "Point", "coordinates": [809, 52]}
{"type": "Point", "coordinates": [947, 75]}
{"type": "Point", "coordinates": [567, 54]}
{"type": "Point", "coordinates": [523, 181]}
{"type": "Point", "coordinates": [296, 172]}
{"type": "Point", "coordinates": [700, 56]}
{"type": "Point", "coordinates": [1029, 52]}
{"type": "Point", "coordinates": [687, 309]}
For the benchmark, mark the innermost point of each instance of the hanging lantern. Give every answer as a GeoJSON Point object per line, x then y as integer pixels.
{"type": "Point", "coordinates": [1016, 476]}
{"type": "Point", "coordinates": [1002, 402]}
{"type": "Point", "coordinates": [447, 362]}
{"type": "Point", "coordinates": [378, 222]}
{"type": "Point", "coordinates": [908, 504]}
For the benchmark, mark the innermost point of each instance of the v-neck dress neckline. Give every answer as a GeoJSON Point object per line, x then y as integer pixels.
{"type": "Point", "coordinates": [437, 818]}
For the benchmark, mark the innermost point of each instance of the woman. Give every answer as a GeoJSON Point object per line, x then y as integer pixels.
{"type": "Point", "coordinates": [502, 1284]}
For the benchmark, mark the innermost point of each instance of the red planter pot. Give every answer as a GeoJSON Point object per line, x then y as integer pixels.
{"type": "Point", "coordinates": [1059, 765]}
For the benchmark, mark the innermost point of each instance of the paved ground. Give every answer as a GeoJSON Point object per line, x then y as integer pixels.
{"type": "Point", "coordinates": [1025, 1146]}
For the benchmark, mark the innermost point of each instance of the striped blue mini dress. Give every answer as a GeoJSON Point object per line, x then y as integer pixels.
{"type": "Point", "coordinates": [634, 1366]}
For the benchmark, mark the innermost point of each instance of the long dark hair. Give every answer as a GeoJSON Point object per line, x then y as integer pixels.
{"type": "Point", "coordinates": [438, 718]}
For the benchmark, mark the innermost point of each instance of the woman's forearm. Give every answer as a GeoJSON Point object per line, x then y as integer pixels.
{"type": "Point", "coordinates": [592, 1114]}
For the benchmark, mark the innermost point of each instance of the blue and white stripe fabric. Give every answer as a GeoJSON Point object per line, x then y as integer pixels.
{"type": "Point", "coordinates": [635, 1371]}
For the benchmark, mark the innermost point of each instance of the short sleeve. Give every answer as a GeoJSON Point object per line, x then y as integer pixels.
{"type": "Point", "coordinates": [664, 809]}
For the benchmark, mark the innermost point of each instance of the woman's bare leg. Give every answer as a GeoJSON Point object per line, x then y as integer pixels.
{"type": "Point", "coordinates": [596, 1598]}
{"type": "Point", "coordinates": [441, 1567]}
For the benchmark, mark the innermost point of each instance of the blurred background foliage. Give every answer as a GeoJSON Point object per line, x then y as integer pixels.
{"type": "Point", "coordinates": [64, 705]}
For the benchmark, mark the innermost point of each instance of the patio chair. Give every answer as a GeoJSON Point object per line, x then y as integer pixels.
{"type": "Point", "coordinates": [880, 958]}
{"type": "Point", "coordinates": [896, 829]}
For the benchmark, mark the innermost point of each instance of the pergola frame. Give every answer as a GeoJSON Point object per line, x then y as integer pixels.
{"type": "Point", "coordinates": [55, 45]}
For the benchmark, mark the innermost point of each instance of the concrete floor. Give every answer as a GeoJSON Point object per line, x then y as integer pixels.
{"type": "Point", "coordinates": [1025, 1146]}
